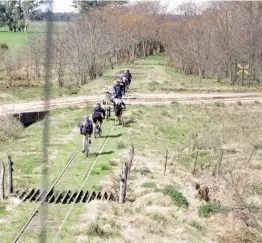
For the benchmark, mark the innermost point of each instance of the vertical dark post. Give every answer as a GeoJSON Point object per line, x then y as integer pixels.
{"type": "Point", "coordinates": [10, 176]}
{"type": "Point", "coordinates": [45, 133]}
{"type": "Point", "coordinates": [166, 161]}
{"type": "Point", "coordinates": [123, 183]}
{"type": "Point", "coordinates": [2, 182]}
{"type": "Point", "coordinates": [194, 170]}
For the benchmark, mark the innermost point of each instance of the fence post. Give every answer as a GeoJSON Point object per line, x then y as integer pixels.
{"type": "Point", "coordinates": [166, 161]}
{"type": "Point", "coordinates": [10, 176]}
{"type": "Point", "coordinates": [126, 168]}
{"type": "Point", "coordinates": [2, 182]}
{"type": "Point", "coordinates": [123, 183]}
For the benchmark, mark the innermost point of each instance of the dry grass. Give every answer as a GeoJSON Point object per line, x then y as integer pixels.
{"type": "Point", "coordinates": [10, 128]}
{"type": "Point", "coordinates": [150, 216]}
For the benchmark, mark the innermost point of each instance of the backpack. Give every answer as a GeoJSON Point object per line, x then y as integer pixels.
{"type": "Point", "coordinates": [118, 105]}
{"type": "Point", "coordinates": [86, 127]}
{"type": "Point", "coordinates": [118, 90]}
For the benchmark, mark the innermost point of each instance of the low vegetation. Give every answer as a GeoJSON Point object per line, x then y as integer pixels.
{"type": "Point", "coordinates": [209, 209]}
{"type": "Point", "coordinates": [176, 196]}
{"type": "Point", "coordinates": [10, 128]}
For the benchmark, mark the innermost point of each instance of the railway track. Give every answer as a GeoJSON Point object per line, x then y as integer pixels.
{"type": "Point", "coordinates": [66, 197]}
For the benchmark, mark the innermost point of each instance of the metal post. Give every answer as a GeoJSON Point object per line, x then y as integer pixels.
{"type": "Point", "coordinates": [10, 177]}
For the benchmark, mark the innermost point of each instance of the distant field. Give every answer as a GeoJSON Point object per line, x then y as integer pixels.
{"type": "Point", "coordinates": [13, 40]}
{"type": "Point", "coordinates": [17, 39]}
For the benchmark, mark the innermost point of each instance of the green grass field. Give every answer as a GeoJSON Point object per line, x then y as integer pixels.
{"type": "Point", "coordinates": [15, 40]}
{"type": "Point", "coordinates": [152, 130]}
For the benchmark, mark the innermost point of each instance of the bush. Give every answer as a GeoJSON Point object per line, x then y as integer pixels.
{"type": "Point", "coordinates": [73, 89]}
{"type": "Point", "coordinates": [149, 185]}
{"type": "Point", "coordinates": [209, 209]}
{"type": "Point", "coordinates": [4, 46]}
{"type": "Point", "coordinates": [121, 145]}
{"type": "Point", "coordinates": [105, 167]}
{"type": "Point", "coordinates": [178, 198]}
{"type": "Point", "coordinates": [10, 128]}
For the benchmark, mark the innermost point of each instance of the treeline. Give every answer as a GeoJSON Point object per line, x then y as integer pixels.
{"type": "Point", "coordinates": [94, 41]}
{"type": "Point", "coordinates": [17, 14]}
{"type": "Point", "coordinates": [211, 40]}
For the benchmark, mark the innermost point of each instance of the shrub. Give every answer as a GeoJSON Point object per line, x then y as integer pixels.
{"type": "Point", "coordinates": [209, 209]}
{"type": "Point", "coordinates": [257, 188]}
{"type": "Point", "coordinates": [95, 230]}
{"type": "Point", "coordinates": [105, 167]}
{"type": "Point", "coordinates": [121, 145]}
{"type": "Point", "coordinates": [178, 198]}
{"type": "Point", "coordinates": [73, 89]}
{"type": "Point", "coordinates": [4, 46]}
{"type": "Point", "coordinates": [149, 185]}
{"type": "Point", "coordinates": [10, 128]}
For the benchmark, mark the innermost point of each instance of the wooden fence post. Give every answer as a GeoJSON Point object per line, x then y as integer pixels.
{"type": "Point", "coordinates": [166, 161]}
{"type": "Point", "coordinates": [123, 183]}
{"type": "Point", "coordinates": [10, 176]}
{"type": "Point", "coordinates": [2, 182]}
{"type": "Point", "coordinates": [126, 168]}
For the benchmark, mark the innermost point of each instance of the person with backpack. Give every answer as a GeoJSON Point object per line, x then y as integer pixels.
{"type": "Point", "coordinates": [117, 90]}
{"type": "Point", "coordinates": [86, 129]}
{"type": "Point", "coordinates": [128, 76]}
{"type": "Point", "coordinates": [98, 114]}
{"type": "Point", "coordinates": [123, 87]}
{"type": "Point", "coordinates": [119, 105]}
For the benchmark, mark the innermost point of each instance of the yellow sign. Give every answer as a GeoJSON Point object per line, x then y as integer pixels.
{"type": "Point", "coordinates": [243, 69]}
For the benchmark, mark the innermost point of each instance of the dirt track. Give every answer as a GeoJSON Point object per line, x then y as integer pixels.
{"type": "Point", "coordinates": [145, 99]}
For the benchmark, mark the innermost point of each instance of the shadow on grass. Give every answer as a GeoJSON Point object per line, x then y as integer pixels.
{"type": "Point", "coordinates": [109, 152]}
{"type": "Point", "coordinates": [129, 122]}
{"type": "Point", "coordinates": [113, 136]}
{"type": "Point", "coordinates": [95, 154]}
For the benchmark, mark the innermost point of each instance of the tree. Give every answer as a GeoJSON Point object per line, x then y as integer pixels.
{"type": "Point", "coordinates": [84, 6]}
{"type": "Point", "coordinates": [16, 14]}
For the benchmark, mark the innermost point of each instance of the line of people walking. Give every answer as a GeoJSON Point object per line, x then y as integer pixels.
{"type": "Point", "coordinates": [112, 98]}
